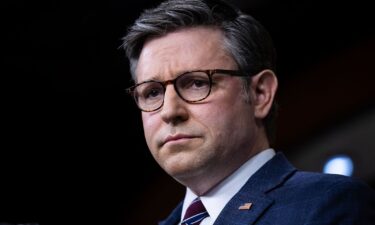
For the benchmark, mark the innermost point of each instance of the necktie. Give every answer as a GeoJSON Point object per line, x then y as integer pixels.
{"type": "Point", "coordinates": [195, 213]}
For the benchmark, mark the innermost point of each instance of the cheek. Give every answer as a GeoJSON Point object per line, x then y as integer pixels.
{"type": "Point", "coordinates": [214, 119]}
{"type": "Point", "coordinates": [149, 128]}
{"type": "Point", "coordinates": [226, 118]}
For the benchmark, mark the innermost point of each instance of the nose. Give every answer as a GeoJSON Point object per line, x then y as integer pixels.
{"type": "Point", "coordinates": [174, 108]}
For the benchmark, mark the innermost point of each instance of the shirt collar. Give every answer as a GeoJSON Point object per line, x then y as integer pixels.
{"type": "Point", "coordinates": [217, 198]}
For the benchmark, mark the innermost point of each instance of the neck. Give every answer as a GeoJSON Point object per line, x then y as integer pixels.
{"type": "Point", "coordinates": [214, 175]}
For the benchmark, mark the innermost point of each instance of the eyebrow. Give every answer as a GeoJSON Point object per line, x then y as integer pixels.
{"type": "Point", "coordinates": [155, 77]}
{"type": "Point", "coordinates": [152, 78]}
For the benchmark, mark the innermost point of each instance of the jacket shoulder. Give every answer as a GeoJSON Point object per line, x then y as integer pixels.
{"type": "Point", "coordinates": [327, 197]}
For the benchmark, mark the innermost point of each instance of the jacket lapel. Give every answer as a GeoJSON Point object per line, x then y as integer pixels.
{"type": "Point", "coordinates": [252, 200]}
{"type": "Point", "coordinates": [174, 218]}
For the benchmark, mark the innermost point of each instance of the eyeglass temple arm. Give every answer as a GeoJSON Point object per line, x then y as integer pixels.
{"type": "Point", "coordinates": [229, 72]}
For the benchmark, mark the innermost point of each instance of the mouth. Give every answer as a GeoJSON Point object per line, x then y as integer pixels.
{"type": "Point", "coordinates": [178, 138]}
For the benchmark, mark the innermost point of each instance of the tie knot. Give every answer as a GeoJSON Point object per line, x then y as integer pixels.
{"type": "Point", "coordinates": [195, 213]}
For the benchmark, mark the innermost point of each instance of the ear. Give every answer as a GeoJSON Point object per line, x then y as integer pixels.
{"type": "Point", "coordinates": [264, 86]}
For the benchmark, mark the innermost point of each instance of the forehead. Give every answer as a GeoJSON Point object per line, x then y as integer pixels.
{"type": "Point", "coordinates": [186, 49]}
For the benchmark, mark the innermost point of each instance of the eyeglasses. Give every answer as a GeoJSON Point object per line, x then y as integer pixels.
{"type": "Point", "coordinates": [191, 86]}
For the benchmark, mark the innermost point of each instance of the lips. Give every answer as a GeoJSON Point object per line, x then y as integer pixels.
{"type": "Point", "coordinates": [177, 137]}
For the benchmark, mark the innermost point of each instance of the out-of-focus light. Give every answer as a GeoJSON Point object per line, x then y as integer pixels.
{"type": "Point", "coordinates": [339, 164]}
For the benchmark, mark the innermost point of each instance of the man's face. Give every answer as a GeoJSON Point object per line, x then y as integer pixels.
{"type": "Point", "coordinates": [207, 139]}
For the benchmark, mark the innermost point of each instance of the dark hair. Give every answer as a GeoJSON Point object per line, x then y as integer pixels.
{"type": "Point", "coordinates": [244, 37]}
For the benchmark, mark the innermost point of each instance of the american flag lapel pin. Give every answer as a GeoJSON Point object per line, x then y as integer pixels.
{"type": "Point", "coordinates": [245, 206]}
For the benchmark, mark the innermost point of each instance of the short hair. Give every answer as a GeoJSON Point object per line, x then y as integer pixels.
{"type": "Point", "coordinates": [245, 38]}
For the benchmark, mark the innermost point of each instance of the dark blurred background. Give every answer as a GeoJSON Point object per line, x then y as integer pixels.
{"type": "Point", "coordinates": [73, 150]}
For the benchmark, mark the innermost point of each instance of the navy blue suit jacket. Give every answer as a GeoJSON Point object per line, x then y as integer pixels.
{"type": "Point", "coordinates": [282, 195]}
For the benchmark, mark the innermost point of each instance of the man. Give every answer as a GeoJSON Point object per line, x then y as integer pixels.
{"type": "Point", "coordinates": [205, 83]}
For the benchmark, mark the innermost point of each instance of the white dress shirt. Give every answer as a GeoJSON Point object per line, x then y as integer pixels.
{"type": "Point", "coordinates": [217, 198]}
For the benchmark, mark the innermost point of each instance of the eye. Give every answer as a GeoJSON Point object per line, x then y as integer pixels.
{"type": "Point", "coordinates": [199, 83]}
{"type": "Point", "coordinates": [194, 81]}
{"type": "Point", "coordinates": [153, 93]}
{"type": "Point", "coordinates": [150, 90]}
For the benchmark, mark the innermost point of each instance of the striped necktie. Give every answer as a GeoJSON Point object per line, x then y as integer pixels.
{"type": "Point", "coordinates": [195, 213]}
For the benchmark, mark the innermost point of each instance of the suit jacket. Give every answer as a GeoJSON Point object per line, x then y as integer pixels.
{"type": "Point", "coordinates": [280, 194]}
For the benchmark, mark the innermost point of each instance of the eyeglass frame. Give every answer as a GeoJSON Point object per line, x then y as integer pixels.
{"type": "Point", "coordinates": [210, 73]}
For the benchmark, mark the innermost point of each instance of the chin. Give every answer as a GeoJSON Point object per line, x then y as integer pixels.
{"type": "Point", "coordinates": [184, 174]}
{"type": "Point", "coordinates": [178, 168]}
